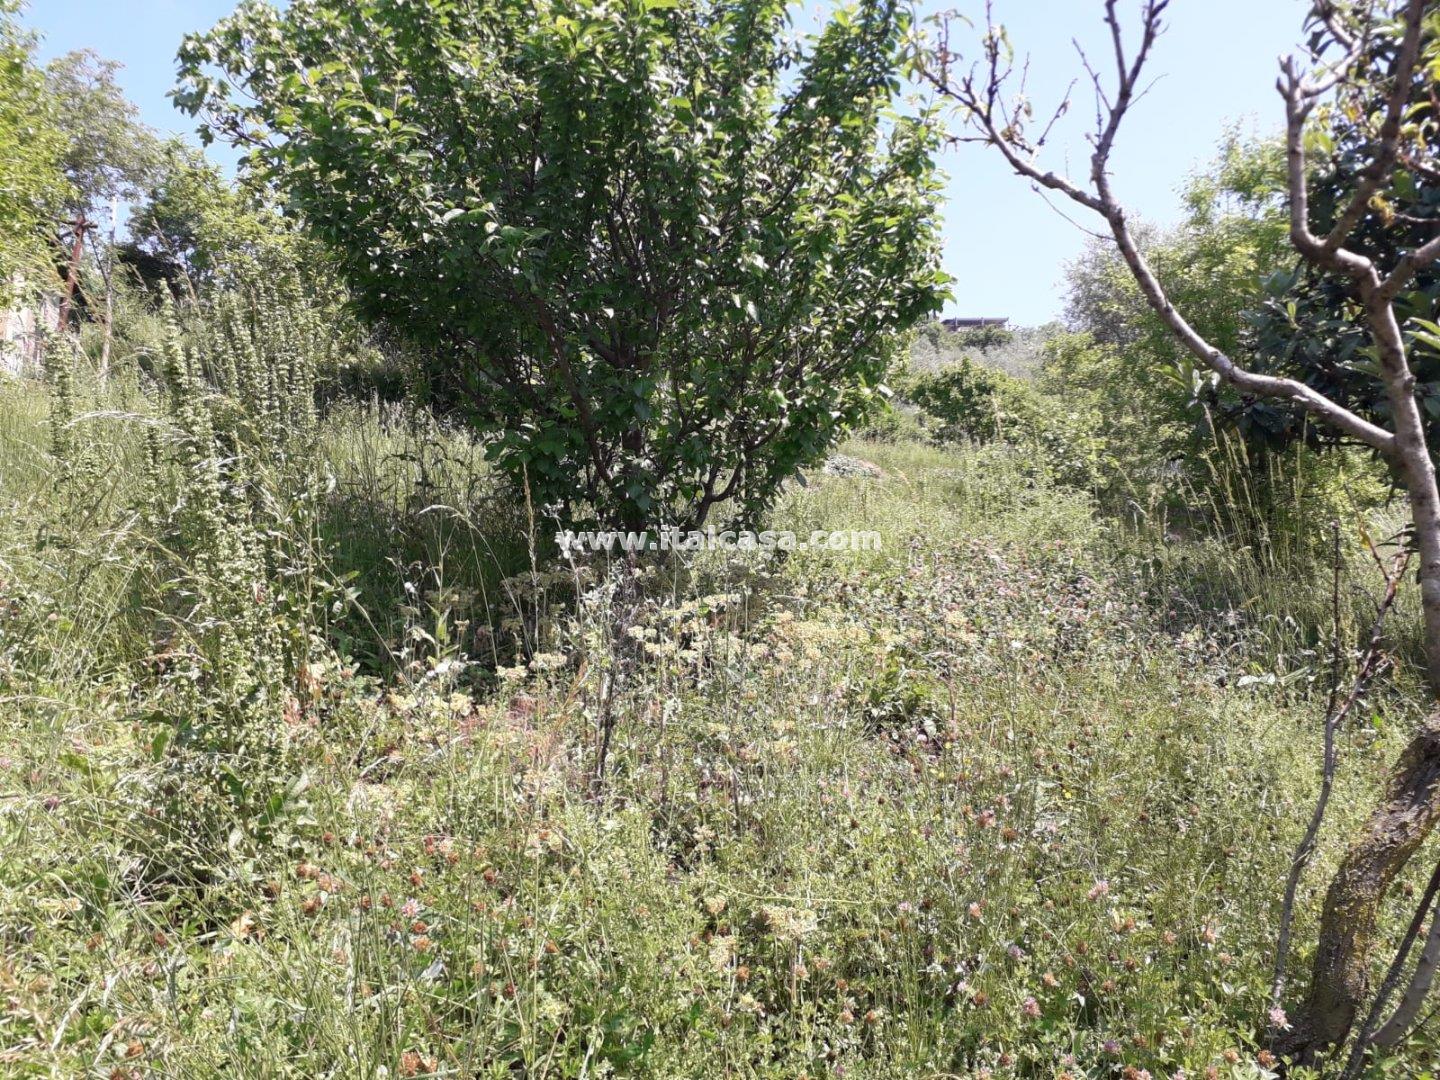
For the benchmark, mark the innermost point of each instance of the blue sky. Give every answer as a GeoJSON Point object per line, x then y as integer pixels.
{"type": "Point", "coordinates": [1004, 246]}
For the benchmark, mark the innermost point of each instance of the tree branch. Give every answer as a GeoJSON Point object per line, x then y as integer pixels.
{"type": "Point", "coordinates": [1387, 146]}
{"type": "Point", "coordinates": [980, 104]}
{"type": "Point", "coordinates": [1408, 266]}
{"type": "Point", "coordinates": [1405, 1014]}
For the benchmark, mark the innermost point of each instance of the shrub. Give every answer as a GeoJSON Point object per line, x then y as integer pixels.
{"type": "Point", "coordinates": [969, 402]}
{"type": "Point", "coordinates": [972, 402]}
{"type": "Point", "coordinates": [1016, 352]}
{"type": "Point", "coordinates": [657, 250]}
{"type": "Point", "coordinates": [1168, 458]}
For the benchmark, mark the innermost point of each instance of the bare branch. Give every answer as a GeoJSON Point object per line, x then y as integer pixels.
{"type": "Point", "coordinates": [1060, 110]}
{"type": "Point", "coordinates": [1102, 100]}
{"type": "Point", "coordinates": [983, 109]}
{"type": "Point", "coordinates": [1392, 978]}
{"type": "Point", "coordinates": [1127, 76]}
{"type": "Point", "coordinates": [1408, 266]}
{"type": "Point", "coordinates": [1405, 1014]}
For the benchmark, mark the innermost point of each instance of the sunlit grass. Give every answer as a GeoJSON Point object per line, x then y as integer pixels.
{"type": "Point", "coordinates": [1002, 795]}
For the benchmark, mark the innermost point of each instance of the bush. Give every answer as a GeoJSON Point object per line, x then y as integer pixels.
{"type": "Point", "coordinates": [1167, 458]}
{"type": "Point", "coordinates": [671, 270]}
{"type": "Point", "coordinates": [969, 402]}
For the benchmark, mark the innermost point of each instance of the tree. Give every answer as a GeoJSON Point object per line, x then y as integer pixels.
{"type": "Point", "coordinates": [165, 245]}
{"type": "Point", "coordinates": [195, 232]}
{"type": "Point", "coordinates": [1374, 63]}
{"type": "Point", "coordinates": [107, 155]}
{"type": "Point", "coordinates": [32, 186]}
{"type": "Point", "coordinates": [1233, 233]}
{"type": "Point", "coordinates": [658, 249]}
{"type": "Point", "coordinates": [1180, 431]}
{"type": "Point", "coordinates": [1309, 328]}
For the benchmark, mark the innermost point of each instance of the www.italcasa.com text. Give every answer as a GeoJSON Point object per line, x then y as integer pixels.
{"type": "Point", "coordinates": [571, 541]}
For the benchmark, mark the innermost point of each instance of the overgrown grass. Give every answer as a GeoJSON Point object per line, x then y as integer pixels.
{"type": "Point", "coordinates": [1015, 793]}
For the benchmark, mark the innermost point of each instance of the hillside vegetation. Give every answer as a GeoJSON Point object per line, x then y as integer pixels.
{"type": "Point", "coordinates": [1015, 793]}
{"type": "Point", "coordinates": [1048, 702]}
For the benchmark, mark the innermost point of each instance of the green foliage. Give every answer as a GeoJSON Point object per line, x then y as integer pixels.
{"type": "Point", "coordinates": [1014, 351]}
{"type": "Point", "coordinates": [1169, 430]}
{"type": "Point", "coordinates": [658, 249]}
{"type": "Point", "coordinates": [890, 420]}
{"type": "Point", "coordinates": [1010, 794]}
{"type": "Point", "coordinates": [199, 239]}
{"type": "Point", "coordinates": [233, 500]}
{"type": "Point", "coordinates": [1144, 427]}
{"type": "Point", "coordinates": [974, 403]}
{"type": "Point", "coordinates": [222, 602]}
{"type": "Point", "coordinates": [32, 185]}
{"type": "Point", "coordinates": [1170, 461]}
{"type": "Point", "coordinates": [108, 153]}
{"type": "Point", "coordinates": [196, 232]}
{"type": "Point", "coordinates": [1308, 324]}
{"type": "Point", "coordinates": [1235, 232]}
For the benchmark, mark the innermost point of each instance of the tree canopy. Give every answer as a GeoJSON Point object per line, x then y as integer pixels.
{"type": "Point", "coordinates": [107, 152]}
{"type": "Point", "coordinates": [659, 247]}
{"type": "Point", "coordinates": [194, 230]}
{"type": "Point", "coordinates": [32, 186]}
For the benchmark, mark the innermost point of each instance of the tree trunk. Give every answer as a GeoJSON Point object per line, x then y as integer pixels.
{"type": "Point", "coordinates": [72, 276]}
{"type": "Point", "coordinates": [1404, 818]}
{"type": "Point", "coordinates": [1397, 827]}
{"type": "Point", "coordinates": [109, 273]}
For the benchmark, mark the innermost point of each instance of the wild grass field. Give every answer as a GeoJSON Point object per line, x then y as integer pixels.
{"type": "Point", "coordinates": [321, 756]}
{"type": "Point", "coordinates": [318, 762]}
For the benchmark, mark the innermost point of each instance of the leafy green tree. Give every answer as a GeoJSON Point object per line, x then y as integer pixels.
{"type": "Point", "coordinates": [108, 153]}
{"type": "Point", "coordinates": [106, 157]}
{"type": "Point", "coordinates": [659, 248]}
{"type": "Point", "coordinates": [196, 232]}
{"type": "Point", "coordinates": [32, 186]}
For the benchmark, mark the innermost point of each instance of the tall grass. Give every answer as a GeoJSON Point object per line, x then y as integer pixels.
{"type": "Point", "coordinates": [1003, 797]}
{"type": "Point", "coordinates": [1254, 549]}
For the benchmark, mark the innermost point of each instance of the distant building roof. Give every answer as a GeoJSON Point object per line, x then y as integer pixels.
{"type": "Point", "coordinates": [973, 323]}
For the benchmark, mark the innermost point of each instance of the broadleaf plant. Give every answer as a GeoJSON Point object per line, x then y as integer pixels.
{"type": "Point", "coordinates": [662, 252]}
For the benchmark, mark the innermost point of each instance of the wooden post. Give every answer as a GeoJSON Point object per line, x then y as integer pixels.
{"type": "Point", "coordinates": [77, 252]}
